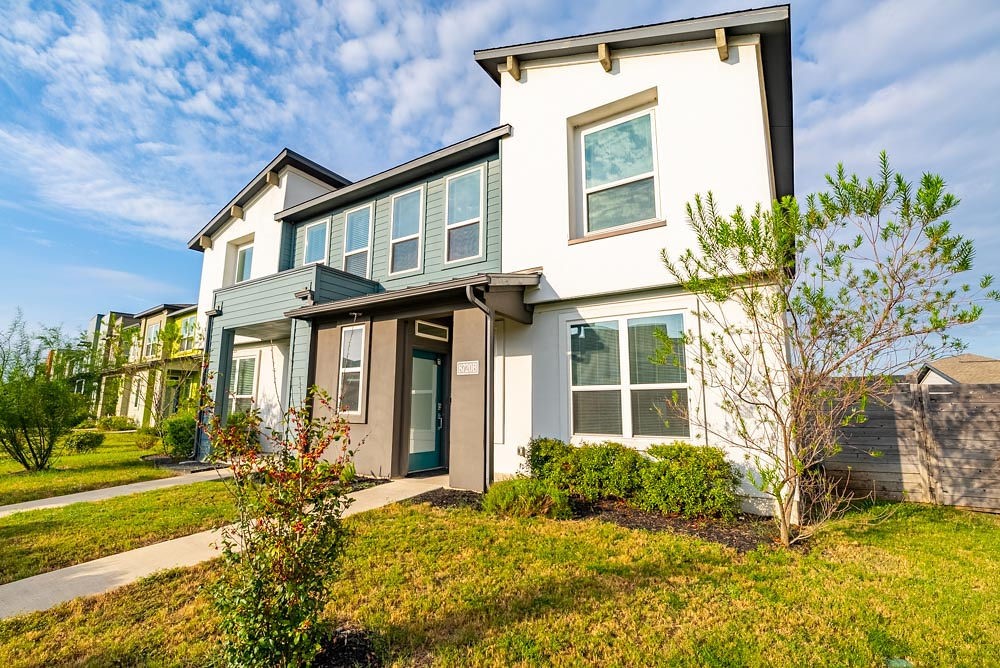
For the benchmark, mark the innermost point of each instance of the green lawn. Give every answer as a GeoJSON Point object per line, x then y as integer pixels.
{"type": "Point", "coordinates": [458, 588]}
{"type": "Point", "coordinates": [116, 462]}
{"type": "Point", "coordinates": [37, 541]}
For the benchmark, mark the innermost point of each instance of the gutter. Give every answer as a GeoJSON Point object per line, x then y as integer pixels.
{"type": "Point", "coordinates": [470, 294]}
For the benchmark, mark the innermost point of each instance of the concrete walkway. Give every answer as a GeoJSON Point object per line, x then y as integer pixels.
{"type": "Point", "coordinates": [111, 492]}
{"type": "Point", "coordinates": [43, 591]}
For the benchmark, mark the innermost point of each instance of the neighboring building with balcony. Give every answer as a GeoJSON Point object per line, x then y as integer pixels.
{"type": "Point", "coordinates": [509, 285]}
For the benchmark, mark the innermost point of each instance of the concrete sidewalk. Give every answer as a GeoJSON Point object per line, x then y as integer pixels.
{"type": "Point", "coordinates": [111, 492]}
{"type": "Point", "coordinates": [43, 591]}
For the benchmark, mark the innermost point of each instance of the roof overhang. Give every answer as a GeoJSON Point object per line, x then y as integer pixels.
{"type": "Point", "coordinates": [419, 295]}
{"type": "Point", "coordinates": [773, 24]}
{"type": "Point", "coordinates": [159, 308]}
{"type": "Point", "coordinates": [455, 155]}
{"type": "Point", "coordinates": [287, 158]}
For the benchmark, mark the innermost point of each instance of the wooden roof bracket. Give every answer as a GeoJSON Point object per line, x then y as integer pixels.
{"type": "Point", "coordinates": [721, 44]}
{"type": "Point", "coordinates": [236, 211]}
{"type": "Point", "coordinates": [272, 179]}
{"type": "Point", "coordinates": [604, 56]}
{"type": "Point", "coordinates": [514, 67]}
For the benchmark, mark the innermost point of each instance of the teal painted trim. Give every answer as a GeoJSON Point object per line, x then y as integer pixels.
{"type": "Point", "coordinates": [433, 266]}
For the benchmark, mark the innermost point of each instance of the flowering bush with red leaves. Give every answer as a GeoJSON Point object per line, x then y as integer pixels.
{"type": "Point", "coordinates": [280, 558]}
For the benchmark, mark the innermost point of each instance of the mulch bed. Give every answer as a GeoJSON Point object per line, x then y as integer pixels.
{"type": "Point", "coordinates": [348, 647]}
{"type": "Point", "coordinates": [743, 533]}
{"type": "Point", "coordinates": [180, 465]}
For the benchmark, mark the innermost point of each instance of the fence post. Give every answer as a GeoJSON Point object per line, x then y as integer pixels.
{"type": "Point", "coordinates": [927, 445]}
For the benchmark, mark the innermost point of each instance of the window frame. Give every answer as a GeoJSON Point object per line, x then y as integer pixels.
{"type": "Point", "coordinates": [419, 236]}
{"type": "Point", "coordinates": [371, 232]}
{"type": "Point", "coordinates": [236, 267]}
{"type": "Point", "coordinates": [581, 171]}
{"type": "Point", "coordinates": [149, 344]}
{"type": "Point", "coordinates": [481, 219]}
{"type": "Point", "coordinates": [187, 343]}
{"type": "Point", "coordinates": [231, 396]}
{"type": "Point", "coordinates": [360, 370]}
{"type": "Point", "coordinates": [326, 242]}
{"type": "Point", "coordinates": [625, 385]}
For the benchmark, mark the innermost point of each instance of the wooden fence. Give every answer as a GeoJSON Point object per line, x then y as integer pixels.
{"type": "Point", "coordinates": [927, 443]}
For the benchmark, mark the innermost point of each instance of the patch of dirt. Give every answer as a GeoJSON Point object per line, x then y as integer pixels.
{"type": "Point", "coordinates": [744, 533]}
{"type": "Point", "coordinates": [348, 647]}
{"type": "Point", "coordinates": [449, 498]}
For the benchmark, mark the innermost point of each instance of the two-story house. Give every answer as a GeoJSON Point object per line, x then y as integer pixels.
{"type": "Point", "coordinates": [509, 285]}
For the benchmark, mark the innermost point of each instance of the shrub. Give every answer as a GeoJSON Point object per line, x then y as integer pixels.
{"type": "Point", "coordinates": [544, 454]}
{"type": "Point", "coordinates": [599, 471]}
{"type": "Point", "coordinates": [280, 557]}
{"type": "Point", "coordinates": [145, 441]}
{"type": "Point", "coordinates": [526, 497]}
{"type": "Point", "coordinates": [348, 474]}
{"type": "Point", "coordinates": [688, 479]}
{"type": "Point", "coordinates": [88, 423]}
{"type": "Point", "coordinates": [178, 435]}
{"type": "Point", "coordinates": [116, 423]}
{"type": "Point", "coordinates": [83, 441]}
{"type": "Point", "coordinates": [35, 413]}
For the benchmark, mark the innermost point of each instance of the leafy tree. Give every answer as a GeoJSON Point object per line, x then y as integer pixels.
{"type": "Point", "coordinates": [808, 312]}
{"type": "Point", "coordinates": [37, 403]}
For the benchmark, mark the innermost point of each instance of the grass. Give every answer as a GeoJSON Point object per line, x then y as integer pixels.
{"type": "Point", "coordinates": [38, 541]}
{"type": "Point", "coordinates": [116, 462]}
{"type": "Point", "coordinates": [458, 588]}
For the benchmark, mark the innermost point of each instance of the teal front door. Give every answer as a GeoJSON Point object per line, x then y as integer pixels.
{"type": "Point", "coordinates": [426, 411]}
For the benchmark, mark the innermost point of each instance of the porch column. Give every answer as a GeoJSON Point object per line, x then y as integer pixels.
{"type": "Point", "coordinates": [467, 434]}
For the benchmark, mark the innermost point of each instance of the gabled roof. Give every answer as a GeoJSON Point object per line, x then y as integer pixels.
{"type": "Point", "coordinates": [964, 369]}
{"type": "Point", "coordinates": [773, 24]}
{"type": "Point", "coordinates": [159, 308]}
{"type": "Point", "coordinates": [450, 156]}
{"type": "Point", "coordinates": [287, 158]}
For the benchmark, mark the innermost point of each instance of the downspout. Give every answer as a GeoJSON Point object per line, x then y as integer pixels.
{"type": "Point", "coordinates": [470, 294]}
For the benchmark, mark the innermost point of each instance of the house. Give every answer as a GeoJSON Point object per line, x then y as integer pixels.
{"type": "Point", "coordinates": [151, 363]}
{"type": "Point", "coordinates": [509, 285]}
{"type": "Point", "coordinates": [966, 369]}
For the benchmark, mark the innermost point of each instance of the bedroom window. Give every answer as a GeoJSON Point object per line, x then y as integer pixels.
{"type": "Point", "coordinates": [616, 389]}
{"type": "Point", "coordinates": [407, 224]}
{"type": "Point", "coordinates": [316, 243]}
{"type": "Point", "coordinates": [464, 218]}
{"type": "Point", "coordinates": [244, 262]}
{"type": "Point", "coordinates": [617, 176]}
{"type": "Point", "coordinates": [357, 237]}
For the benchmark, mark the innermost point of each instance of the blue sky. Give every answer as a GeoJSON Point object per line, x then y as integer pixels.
{"type": "Point", "coordinates": [123, 129]}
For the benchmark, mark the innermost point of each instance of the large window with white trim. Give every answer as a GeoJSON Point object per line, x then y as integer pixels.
{"type": "Point", "coordinates": [464, 217]}
{"type": "Point", "coordinates": [242, 384]}
{"type": "Point", "coordinates": [244, 262]}
{"type": "Point", "coordinates": [152, 342]}
{"type": "Point", "coordinates": [407, 224]}
{"type": "Point", "coordinates": [628, 377]}
{"type": "Point", "coordinates": [617, 162]}
{"type": "Point", "coordinates": [357, 240]}
{"type": "Point", "coordinates": [352, 353]}
{"type": "Point", "coordinates": [189, 332]}
{"type": "Point", "coordinates": [316, 243]}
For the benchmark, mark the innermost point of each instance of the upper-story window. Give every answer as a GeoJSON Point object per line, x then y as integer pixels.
{"type": "Point", "coordinates": [244, 262]}
{"type": "Point", "coordinates": [407, 224]}
{"type": "Point", "coordinates": [189, 331]}
{"type": "Point", "coordinates": [152, 339]}
{"type": "Point", "coordinates": [357, 240]}
{"type": "Point", "coordinates": [464, 219]}
{"type": "Point", "coordinates": [316, 243]}
{"type": "Point", "coordinates": [617, 164]}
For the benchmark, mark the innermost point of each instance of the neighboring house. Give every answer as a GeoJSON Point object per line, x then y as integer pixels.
{"type": "Point", "coordinates": [152, 363]}
{"type": "Point", "coordinates": [967, 369]}
{"type": "Point", "coordinates": [509, 285]}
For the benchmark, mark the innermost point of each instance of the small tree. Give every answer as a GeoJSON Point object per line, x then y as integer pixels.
{"type": "Point", "coordinates": [37, 404]}
{"type": "Point", "coordinates": [280, 557]}
{"type": "Point", "coordinates": [808, 313]}
{"type": "Point", "coordinates": [179, 369]}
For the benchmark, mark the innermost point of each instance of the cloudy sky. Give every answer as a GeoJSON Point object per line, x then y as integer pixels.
{"type": "Point", "coordinates": [123, 129]}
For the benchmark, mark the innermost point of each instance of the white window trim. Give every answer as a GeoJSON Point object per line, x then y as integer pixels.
{"type": "Point", "coordinates": [193, 334]}
{"type": "Point", "coordinates": [236, 266]}
{"type": "Point", "coordinates": [419, 236]}
{"type": "Point", "coordinates": [360, 370]}
{"type": "Point", "coordinates": [603, 124]}
{"type": "Point", "coordinates": [326, 242]}
{"type": "Point", "coordinates": [624, 386]}
{"type": "Point", "coordinates": [231, 395]}
{"type": "Point", "coordinates": [416, 330]}
{"type": "Point", "coordinates": [371, 233]}
{"type": "Point", "coordinates": [149, 343]}
{"type": "Point", "coordinates": [481, 218]}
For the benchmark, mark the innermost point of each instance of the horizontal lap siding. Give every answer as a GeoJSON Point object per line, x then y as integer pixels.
{"type": "Point", "coordinates": [937, 443]}
{"type": "Point", "coordinates": [433, 267]}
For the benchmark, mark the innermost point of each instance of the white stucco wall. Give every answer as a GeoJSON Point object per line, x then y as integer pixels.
{"type": "Point", "coordinates": [258, 225]}
{"type": "Point", "coordinates": [271, 380]}
{"type": "Point", "coordinates": [710, 135]}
